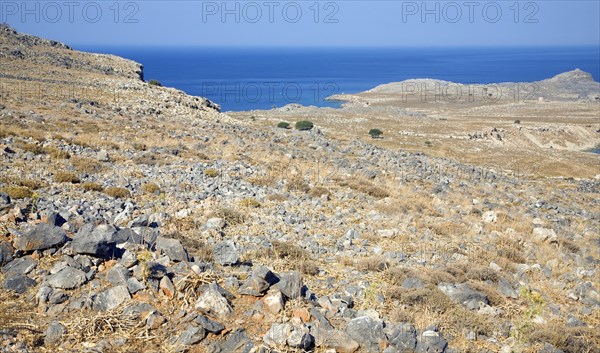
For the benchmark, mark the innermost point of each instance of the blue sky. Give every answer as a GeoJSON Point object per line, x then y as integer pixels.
{"type": "Point", "coordinates": [308, 23]}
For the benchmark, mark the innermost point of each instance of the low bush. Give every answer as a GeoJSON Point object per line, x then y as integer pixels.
{"type": "Point", "coordinates": [118, 193]}
{"type": "Point", "coordinates": [250, 202]}
{"type": "Point", "coordinates": [66, 177]}
{"type": "Point", "coordinates": [304, 125]}
{"type": "Point", "coordinates": [150, 188]}
{"type": "Point", "coordinates": [89, 186]}
{"type": "Point", "coordinates": [283, 125]}
{"type": "Point", "coordinates": [211, 173]}
{"type": "Point", "coordinates": [17, 192]}
{"type": "Point", "coordinates": [375, 133]}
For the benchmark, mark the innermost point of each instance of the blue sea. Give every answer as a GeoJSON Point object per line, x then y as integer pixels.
{"type": "Point", "coordinates": [261, 78]}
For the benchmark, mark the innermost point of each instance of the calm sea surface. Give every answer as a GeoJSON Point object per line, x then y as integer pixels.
{"type": "Point", "coordinates": [252, 78]}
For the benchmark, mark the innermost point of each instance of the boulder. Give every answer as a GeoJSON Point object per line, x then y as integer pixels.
{"type": "Point", "coordinates": [211, 302]}
{"type": "Point", "coordinates": [110, 298]}
{"type": "Point", "coordinates": [368, 332]}
{"type": "Point", "coordinates": [100, 241]}
{"type": "Point", "coordinates": [226, 253]}
{"type": "Point", "coordinates": [172, 248]}
{"type": "Point", "coordinates": [290, 284]}
{"type": "Point", "coordinates": [67, 278]}
{"type": "Point", "coordinates": [18, 284]}
{"type": "Point", "coordinates": [42, 237]}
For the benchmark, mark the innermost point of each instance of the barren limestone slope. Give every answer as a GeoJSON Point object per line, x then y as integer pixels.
{"type": "Point", "coordinates": [544, 128]}
{"type": "Point", "coordinates": [151, 222]}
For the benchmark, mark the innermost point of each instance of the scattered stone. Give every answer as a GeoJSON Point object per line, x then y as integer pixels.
{"type": "Point", "coordinates": [274, 301]}
{"type": "Point", "coordinates": [545, 235]}
{"type": "Point", "coordinates": [337, 340]}
{"type": "Point", "coordinates": [99, 241]}
{"type": "Point", "coordinates": [166, 287]}
{"type": "Point", "coordinates": [507, 289]}
{"type": "Point", "coordinates": [67, 278]}
{"type": "Point", "coordinates": [278, 334]}
{"type": "Point", "coordinates": [465, 295]}
{"type": "Point", "coordinates": [411, 283]}
{"type": "Point", "coordinates": [6, 251]}
{"type": "Point", "coordinates": [403, 337]}
{"type": "Point", "coordinates": [54, 333]}
{"type": "Point", "coordinates": [43, 236]}
{"type": "Point", "coordinates": [18, 284]}
{"type": "Point", "coordinates": [225, 253]}
{"type": "Point", "coordinates": [191, 335]}
{"type": "Point", "coordinates": [431, 341]}
{"type": "Point", "coordinates": [211, 302]}
{"type": "Point", "coordinates": [134, 286]}
{"type": "Point", "coordinates": [172, 248]}
{"type": "Point", "coordinates": [209, 325]}
{"type": "Point", "coordinates": [110, 298]}
{"type": "Point", "coordinates": [20, 266]}
{"type": "Point", "coordinates": [290, 284]}
{"type": "Point", "coordinates": [368, 333]}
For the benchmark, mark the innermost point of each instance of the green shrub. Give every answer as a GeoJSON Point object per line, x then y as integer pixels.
{"type": "Point", "coordinates": [155, 83]}
{"type": "Point", "coordinates": [304, 125]}
{"type": "Point", "coordinates": [283, 125]}
{"type": "Point", "coordinates": [518, 122]}
{"type": "Point", "coordinates": [428, 143]}
{"type": "Point", "coordinates": [375, 133]}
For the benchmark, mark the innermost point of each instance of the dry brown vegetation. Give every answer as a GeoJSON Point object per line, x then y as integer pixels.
{"type": "Point", "coordinates": [117, 192]}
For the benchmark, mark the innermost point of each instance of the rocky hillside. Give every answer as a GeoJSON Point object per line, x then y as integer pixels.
{"type": "Point", "coordinates": [154, 223]}
{"type": "Point", "coordinates": [573, 85]}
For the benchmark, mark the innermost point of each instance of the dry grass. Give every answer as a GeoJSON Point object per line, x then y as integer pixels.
{"type": "Point", "coordinates": [371, 264]}
{"type": "Point", "coordinates": [262, 180]}
{"type": "Point", "coordinates": [319, 191]}
{"type": "Point", "coordinates": [29, 147]}
{"type": "Point", "coordinates": [150, 188]}
{"type": "Point", "coordinates": [567, 339]}
{"type": "Point", "coordinates": [86, 328]}
{"type": "Point", "coordinates": [90, 186]}
{"type": "Point", "coordinates": [86, 165]}
{"type": "Point", "coordinates": [66, 177]}
{"type": "Point", "coordinates": [117, 192]}
{"type": "Point", "coordinates": [230, 216]}
{"type": "Point", "coordinates": [17, 192]}
{"type": "Point", "coordinates": [277, 197]}
{"type": "Point", "coordinates": [150, 159]}
{"type": "Point", "coordinates": [17, 181]}
{"type": "Point", "coordinates": [56, 153]}
{"type": "Point", "coordinates": [250, 202]}
{"type": "Point", "coordinates": [364, 186]}
{"type": "Point", "coordinates": [294, 257]}
{"type": "Point", "coordinates": [297, 184]}
{"type": "Point", "coordinates": [211, 173]}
